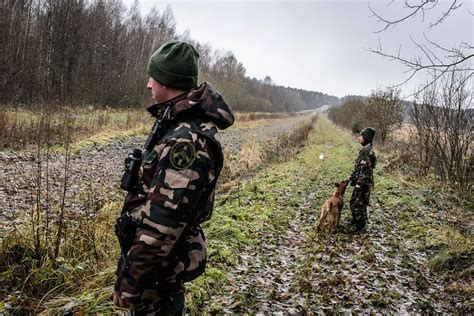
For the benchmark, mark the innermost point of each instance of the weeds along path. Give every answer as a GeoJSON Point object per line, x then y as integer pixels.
{"type": "Point", "coordinates": [95, 171]}
{"type": "Point", "coordinates": [265, 256]}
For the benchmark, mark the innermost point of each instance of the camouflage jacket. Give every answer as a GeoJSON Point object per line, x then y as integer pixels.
{"type": "Point", "coordinates": [175, 177]}
{"type": "Point", "coordinates": [364, 165]}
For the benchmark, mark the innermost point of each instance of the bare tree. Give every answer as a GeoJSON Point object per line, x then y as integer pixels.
{"type": "Point", "coordinates": [433, 58]}
{"type": "Point", "coordinates": [384, 111]}
{"type": "Point", "coordinates": [350, 114]}
{"type": "Point", "coordinates": [443, 117]}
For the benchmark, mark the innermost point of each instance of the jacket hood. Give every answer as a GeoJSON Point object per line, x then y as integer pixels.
{"type": "Point", "coordinates": [202, 101]}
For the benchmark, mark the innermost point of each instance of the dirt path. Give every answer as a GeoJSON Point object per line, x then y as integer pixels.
{"type": "Point", "coordinates": [289, 269]}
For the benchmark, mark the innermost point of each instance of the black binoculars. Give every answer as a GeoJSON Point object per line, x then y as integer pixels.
{"type": "Point", "coordinates": [132, 166]}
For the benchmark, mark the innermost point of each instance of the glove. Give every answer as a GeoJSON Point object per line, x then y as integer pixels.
{"type": "Point", "coordinates": [353, 181]}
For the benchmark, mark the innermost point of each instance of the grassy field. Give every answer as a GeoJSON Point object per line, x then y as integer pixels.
{"type": "Point", "coordinates": [265, 256]}
{"type": "Point", "coordinates": [22, 128]}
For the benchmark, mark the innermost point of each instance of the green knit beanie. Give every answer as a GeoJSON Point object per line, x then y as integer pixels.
{"type": "Point", "coordinates": [368, 134]}
{"type": "Point", "coordinates": [175, 65]}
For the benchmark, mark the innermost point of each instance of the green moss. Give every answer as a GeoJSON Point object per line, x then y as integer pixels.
{"type": "Point", "coordinates": [214, 276]}
{"type": "Point", "coordinates": [395, 295]}
{"type": "Point", "coordinates": [378, 300]}
{"type": "Point", "coordinates": [221, 253]}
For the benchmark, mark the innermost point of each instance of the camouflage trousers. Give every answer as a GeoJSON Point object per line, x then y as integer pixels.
{"type": "Point", "coordinates": [359, 202]}
{"type": "Point", "coordinates": [169, 302]}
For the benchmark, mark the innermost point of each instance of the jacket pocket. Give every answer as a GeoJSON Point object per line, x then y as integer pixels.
{"type": "Point", "coordinates": [169, 188]}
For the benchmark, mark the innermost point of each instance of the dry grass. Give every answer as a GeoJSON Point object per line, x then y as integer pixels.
{"type": "Point", "coordinates": [22, 127]}
{"type": "Point", "coordinates": [253, 116]}
{"type": "Point", "coordinates": [253, 120]}
{"type": "Point", "coordinates": [83, 265]}
{"type": "Point", "coordinates": [457, 255]}
{"type": "Point", "coordinates": [404, 133]}
{"type": "Point", "coordinates": [255, 153]}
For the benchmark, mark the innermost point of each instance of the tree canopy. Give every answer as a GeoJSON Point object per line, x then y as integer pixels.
{"type": "Point", "coordinates": [95, 52]}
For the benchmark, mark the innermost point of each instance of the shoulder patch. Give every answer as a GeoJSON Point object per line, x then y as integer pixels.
{"type": "Point", "coordinates": [182, 155]}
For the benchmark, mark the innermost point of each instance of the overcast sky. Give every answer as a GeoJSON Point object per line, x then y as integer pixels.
{"type": "Point", "coordinates": [315, 45]}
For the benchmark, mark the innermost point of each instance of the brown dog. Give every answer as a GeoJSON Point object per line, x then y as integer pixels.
{"type": "Point", "coordinates": [333, 207]}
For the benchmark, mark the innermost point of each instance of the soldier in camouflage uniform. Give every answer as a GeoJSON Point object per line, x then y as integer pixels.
{"type": "Point", "coordinates": [176, 187]}
{"type": "Point", "coordinates": [362, 178]}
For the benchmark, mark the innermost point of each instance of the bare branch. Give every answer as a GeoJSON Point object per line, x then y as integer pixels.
{"type": "Point", "coordinates": [419, 66]}
{"type": "Point", "coordinates": [433, 54]}
{"type": "Point", "coordinates": [436, 77]}
{"type": "Point", "coordinates": [467, 45]}
{"type": "Point", "coordinates": [454, 5]}
{"type": "Point", "coordinates": [422, 7]}
{"type": "Point", "coordinates": [415, 6]}
{"type": "Point", "coordinates": [435, 65]}
{"type": "Point", "coordinates": [461, 58]}
{"type": "Point", "coordinates": [448, 50]}
{"type": "Point", "coordinates": [426, 51]}
{"type": "Point", "coordinates": [389, 23]}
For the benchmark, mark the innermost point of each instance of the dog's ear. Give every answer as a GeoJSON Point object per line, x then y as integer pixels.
{"type": "Point", "coordinates": [336, 184]}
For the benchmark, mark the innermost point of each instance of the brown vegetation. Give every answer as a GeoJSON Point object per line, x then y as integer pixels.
{"type": "Point", "coordinates": [20, 127]}
{"type": "Point", "coordinates": [382, 110]}
{"type": "Point", "coordinates": [444, 130]}
{"type": "Point", "coordinates": [437, 141]}
{"type": "Point", "coordinates": [253, 116]}
{"type": "Point", "coordinates": [255, 153]}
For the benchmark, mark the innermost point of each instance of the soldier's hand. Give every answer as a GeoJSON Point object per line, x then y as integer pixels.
{"type": "Point", "coordinates": [118, 301]}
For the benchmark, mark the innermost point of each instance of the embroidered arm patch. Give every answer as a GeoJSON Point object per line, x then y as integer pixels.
{"type": "Point", "coordinates": [182, 155]}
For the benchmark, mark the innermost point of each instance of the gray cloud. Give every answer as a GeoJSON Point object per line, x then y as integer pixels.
{"type": "Point", "coordinates": [314, 45]}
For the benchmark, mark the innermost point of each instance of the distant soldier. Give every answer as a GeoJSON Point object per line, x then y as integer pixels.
{"type": "Point", "coordinates": [171, 192]}
{"type": "Point", "coordinates": [362, 178]}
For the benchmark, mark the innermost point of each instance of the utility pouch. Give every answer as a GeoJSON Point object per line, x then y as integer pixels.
{"type": "Point", "coordinates": [125, 229]}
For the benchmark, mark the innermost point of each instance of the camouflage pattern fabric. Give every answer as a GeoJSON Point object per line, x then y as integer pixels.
{"type": "Point", "coordinates": [364, 165]}
{"type": "Point", "coordinates": [166, 301]}
{"type": "Point", "coordinates": [363, 172]}
{"type": "Point", "coordinates": [359, 202]}
{"type": "Point", "coordinates": [176, 195]}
